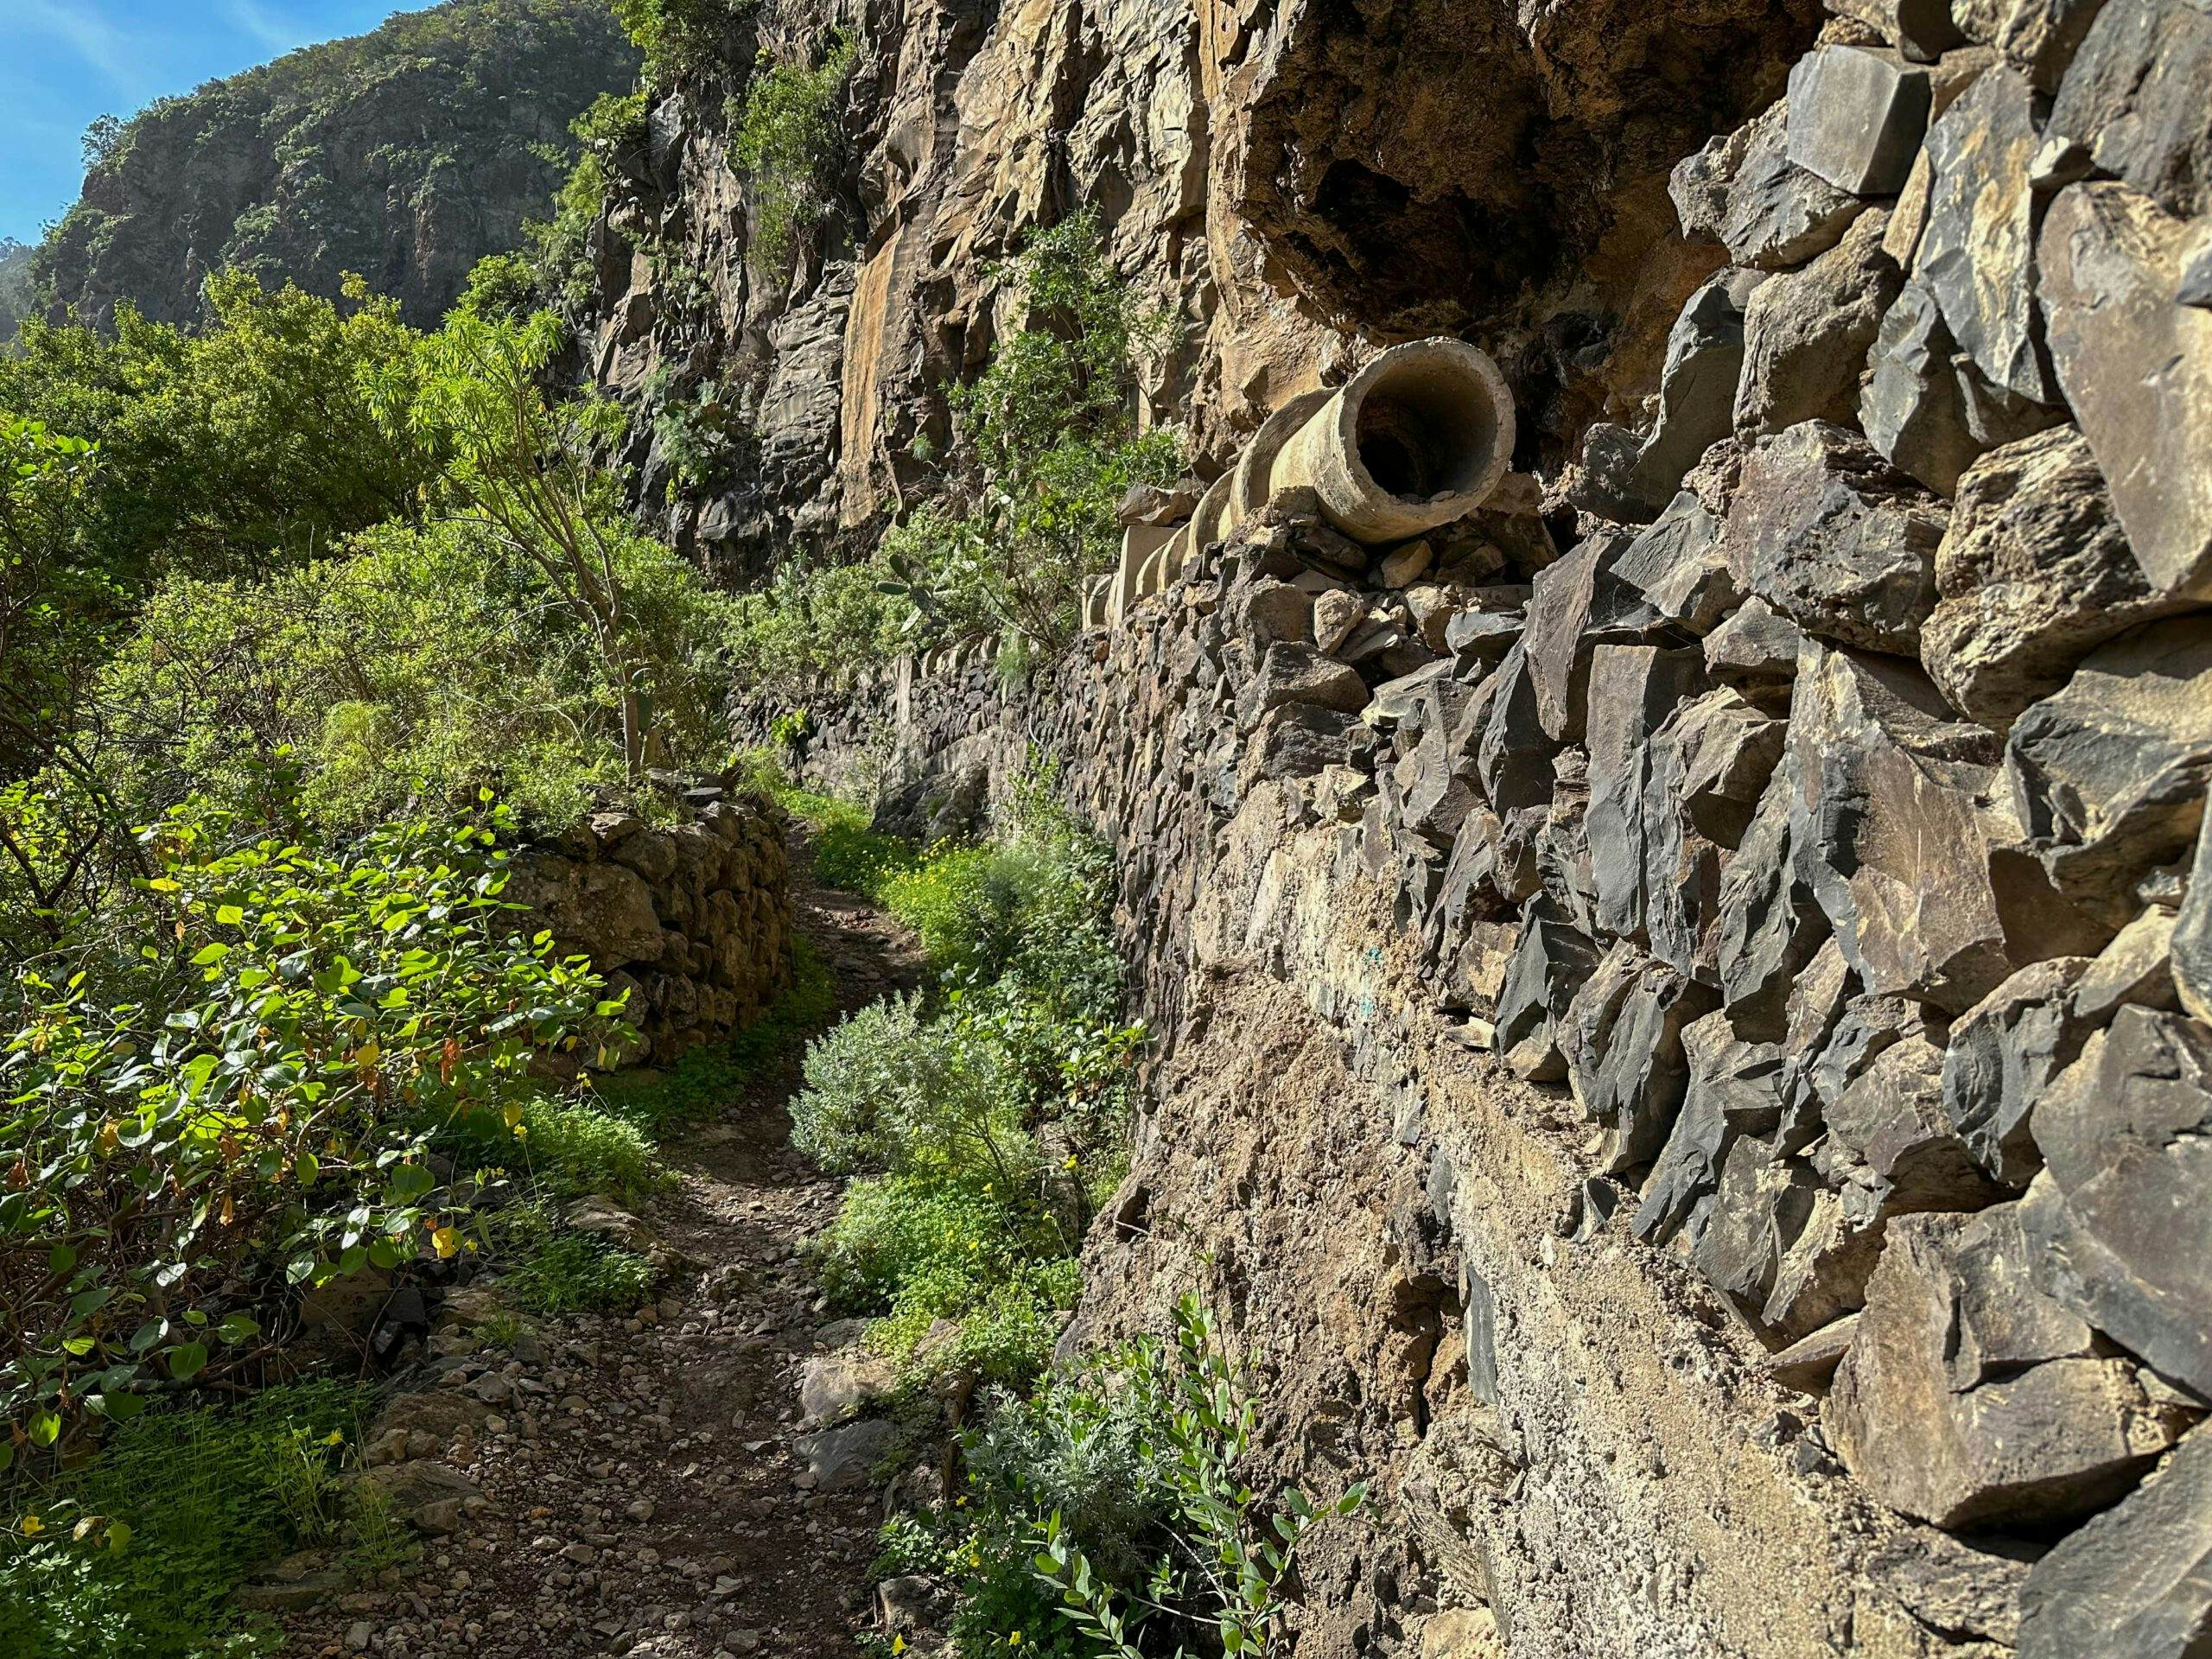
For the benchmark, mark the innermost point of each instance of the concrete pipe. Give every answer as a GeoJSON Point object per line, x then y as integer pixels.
{"type": "Point", "coordinates": [1257, 467]}
{"type": "Point", "coordinates": [1417, 438]}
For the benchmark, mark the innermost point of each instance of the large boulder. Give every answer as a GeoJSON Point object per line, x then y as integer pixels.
{"type": "Point", "coordinates": [1977, 254]}
{"type": "Point", "coordinates": [2137, 368]}
{"type": "Point", "coordinates": [1622, 1039]}
{"type": "Point", "coordinates": [1806, 333]}
{"type": "Point", "coordinates": [1733, 1089]}
{"type": "Point", "coordinates": [2108, 773]}
{"type": "Point", "coordinates": [1889, 832]}
{"type": "Point", "coordinates": [1678, 567]}
{"type": "Point", "coordinates": [1968, 1398]}
{"type": "Point", "coordinates": [1926, 407]}
{"type": "Point", "coordinates": [1857, 117]}
{"type": "Point", "coordinates": [2118, 1221]}
{"type": "Point", "coordinates": [1835, 538]}
{"type": "Point", "coordinates": [2034, 572]}
{"type": "Point", "coordinates": [1743, 190]}
{"type": "Point", "coordinates": [2003, 1053]}
{"type": "Point", "coordinates": [2136, 1581]}
{"type": "Point", "coordinates": [2135, 95]}
{"type": "Point", "coordinates": [1633, 689]}
{"type": "Point", "coordinates": [1769, 924]}
{"type": "Point", "coordinates": [2039, 36]}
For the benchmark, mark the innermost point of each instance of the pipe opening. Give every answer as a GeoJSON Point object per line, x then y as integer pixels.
{"type": "Point", "coordinates": [1426, 429]}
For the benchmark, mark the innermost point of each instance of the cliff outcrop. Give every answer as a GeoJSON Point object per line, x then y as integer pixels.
{"type": "Point", "coordinates": [1296, 186]}
{"type": "Point", "coordinates": [1680, 1002]}
{"type": "Point", "coordinates": [404, 156]}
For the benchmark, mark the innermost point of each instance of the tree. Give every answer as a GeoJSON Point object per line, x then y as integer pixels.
{"type": "Point", "coordinates": [520, 469]}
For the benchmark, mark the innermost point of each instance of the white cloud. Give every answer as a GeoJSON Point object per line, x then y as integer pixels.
{"type": "Point", "coordinates": [103, 47]}
{"type": "Point", "coordinates": [252, 18]}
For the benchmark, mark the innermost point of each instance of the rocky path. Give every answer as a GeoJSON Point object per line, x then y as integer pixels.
{"type": "Point", "coordinates": [639, 1486]}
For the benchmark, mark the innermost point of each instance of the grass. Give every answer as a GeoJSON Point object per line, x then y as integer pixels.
{"type": "Point", "coordinates": [575, 1273]}
{"type": "Point", "coordinates": [136, 1556]}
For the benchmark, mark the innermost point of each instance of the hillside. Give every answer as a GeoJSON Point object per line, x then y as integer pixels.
{"type": "Point", "coordinates": [405, 155]}
{"type": "Point", "coordinates": [14, 286]}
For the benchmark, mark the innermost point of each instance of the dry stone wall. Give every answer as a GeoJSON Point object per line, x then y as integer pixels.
{"type": "Point", "coordinates": [693, 921]}
{"type": "Point", "coordinates": [1680, 1002]}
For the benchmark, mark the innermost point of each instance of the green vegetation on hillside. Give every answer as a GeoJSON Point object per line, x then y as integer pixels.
{"type": "Point", "coordinates": [785, 137]}
{"type": "Point", "coordinates": [981, 1119]}
{"type": "Point", "coordinates": [1044, 445]}
{"type": "Point", "coordinates": [405, 154]}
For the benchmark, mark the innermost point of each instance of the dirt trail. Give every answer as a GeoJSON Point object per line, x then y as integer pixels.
{"type": "Point", "coordinates": [643, 1492]}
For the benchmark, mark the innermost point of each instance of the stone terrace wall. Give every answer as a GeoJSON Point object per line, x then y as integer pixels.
{"type": "Point", "coordinates": [1682, 1012]}
{"type": "Point", "coordinates": [694, 919]}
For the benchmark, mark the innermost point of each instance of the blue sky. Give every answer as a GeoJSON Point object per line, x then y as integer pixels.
{"type": "Point", "coordinates": [62, 62]}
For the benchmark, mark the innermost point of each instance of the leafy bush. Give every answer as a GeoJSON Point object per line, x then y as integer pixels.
{"type": "Point", "coordinates": [680, 38]}
{"type": "Point", "coordinates": [1109, 1513]}
{"type": "Point", "coordinates": [991, 1108]}
{"type": "Point", "coordinates": [136, 1556]}
{"type": "Point", "coordinates": [426, 665]}
{"type": "Point", "coordinates": [253, 1114]}
{"type": "Point", "coordinates": [784, 137]}
{"type": "Point", "coordinates": [574, 1273]}
{"type": "Point", "coordinates": [613, 135]}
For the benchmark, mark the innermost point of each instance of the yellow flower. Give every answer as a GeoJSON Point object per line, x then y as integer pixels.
{"type": "Point", "coordinates": [336, 1438]}
{"type": "Point", "coordinates": [898, 1645]}
{"type": "Point", "coordinates": [1014, 1640]}
{"type": "Point", "coordinates": [33, 1526]}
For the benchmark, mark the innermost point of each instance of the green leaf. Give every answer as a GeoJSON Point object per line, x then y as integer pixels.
{"type": "Point", "coordinates": [60, 1259]}
{"type": "Point", "coordinates": [187, 1360]}
{"type": "Point", "coordinates": [45, 1427]}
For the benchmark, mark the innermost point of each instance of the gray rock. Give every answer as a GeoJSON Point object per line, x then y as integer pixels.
{"type": "Point", "coordinates": [2138, 370]}
{"type": "Point", "coordinates": [1778, 1243]}
{"type": "Point", "coordinates": [1888, 1138]}
{"type": "Point", "coordinates": [1513, 754]}
{"type": "Point", "coordinates": [2039, 36]}
{"type": "Point", "coordinates": [2004, 1051]}
{"type": "Point", "coordinates": [1926, 407]}
{"type": "Point", "coordinates": [1408, 699]}
{"type": "Point", "coordinates": [1857, 117]}
{"type": "Point", "coordinates": [1807, 334]}
{"type": "Point", "coordinates": [2108, 774]}
{"type": "Point", "coordinates": [2135, 95]}
{"type": "Point", "coordinates": [1697, 387]}
{"type": "Point", "coordinates": [837, 1386]}
{"type": "Point", "coordinates": [2191, 935]}
{"type": "Point", "coordinates": [2137, 967]}
{"type": "Point", "coordinates": [1835, 538]}
{"type": "Point", "coordinates": [1808, 1364]}
{"type": "Point", "coordinates": [1743, 190]}
{"type": "Point", "coordinates": [1293, 673]}
{"type": "Point", "coordinates": [1977, 254]}
{"type": "Point", "coordinates": [2034, 572]}
{"type": "Point", "coordinates": [1622, 1040]}
{"type": "Point", "coordinates": [1889, 831]}
{"type": "Point", "coordinates": [842, 1460]}
{"type": "Point", "coordinates": [1550, 963]}
{"type": "Point", "coordinates": [1437, 797]}
{"type": "Point", "coordinates": [1577, 605]}
{"type": "Point", "coordinates": [1968, 1398]}
{"type": "Point", "coordinates": [1678, 567]}
{"type": "Point", "coordinates": [2117, 1219]}
{"type": "Point", "coordinates": [1960, 1587]}
{"type": "Point", "coordinates": [2136, 1581]}
{"type": "Point", "coordinates": [1300, 739]}
{"type": "Point", "coordinates": [1921, 29]}
{"type": "Point", "coordinates": [1733, 1088]}
{"type": "Point", "coordinates": [1755, 648]}
{"type": "Point", "coordinates": [1769, 924]}
{"type": "Point", "coordinates": [1633, 689]}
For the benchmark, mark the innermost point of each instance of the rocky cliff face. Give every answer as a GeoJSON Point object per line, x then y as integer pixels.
{"type": "Point", "coordinates": [1296, 184]}
{"type": "Point", "coordinates": [1682, 1004]}
{"type": "Point", "coordinates": [404, 156]}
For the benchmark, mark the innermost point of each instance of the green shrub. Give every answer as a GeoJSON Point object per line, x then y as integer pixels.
{"type": "Point", "coordinates": [426, 664]}
{"type": "Point", "coordinates": [680, 38]}
{"type": "Point", "coordinates": [576, 1146]}
{"type": "Point", "coordinates": [613, 133]}
{"type": "Point", "coordinates": [255, 1111]}
{"type": "Point", "coordinates": [574, 1273]}
{"type": "Point", "coordinates": [784, 137]}
{"type": "Point", "coordinates": [175, 1510]}
{"type": "Point", "coordinates": [1110, 1514]}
